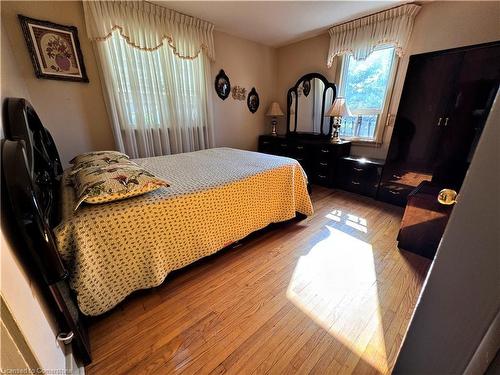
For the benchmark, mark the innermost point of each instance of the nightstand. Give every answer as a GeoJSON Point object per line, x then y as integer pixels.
{"type": "Point", "coordinates": [359, 175]}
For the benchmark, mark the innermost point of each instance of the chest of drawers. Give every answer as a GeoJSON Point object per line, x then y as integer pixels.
{"type": "Point", "coordinates": [318, 157]}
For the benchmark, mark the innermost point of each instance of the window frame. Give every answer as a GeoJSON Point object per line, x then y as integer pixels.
{"type": "Point", "coordinates": [382, 121]}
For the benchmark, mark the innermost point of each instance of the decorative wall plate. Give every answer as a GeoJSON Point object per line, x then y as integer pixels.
{"type": "Point", "coordinates": [222, 85]}
{"type": "Point", "coordinates": [253, 100]}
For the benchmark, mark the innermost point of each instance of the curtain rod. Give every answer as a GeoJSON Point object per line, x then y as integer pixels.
{"type": "Point", "coordinates": [372, 14]}
{"type": "Point", "coordinates": [173, 10]}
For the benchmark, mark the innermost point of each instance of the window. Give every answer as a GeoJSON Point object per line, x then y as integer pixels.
{"type": "Point", "coordinates": [365, 85]}
{"type": "Point", "coordinates": [142, 85]}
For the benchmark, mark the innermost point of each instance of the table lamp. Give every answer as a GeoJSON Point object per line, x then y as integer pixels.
{"type": "Point", "coordinates": [338, 110]}
{"type": "Point", "coordinates": [274, 111]}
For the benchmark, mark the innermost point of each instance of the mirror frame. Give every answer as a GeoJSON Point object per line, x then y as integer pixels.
{"type": "Point", "coordinates": [294, 89]}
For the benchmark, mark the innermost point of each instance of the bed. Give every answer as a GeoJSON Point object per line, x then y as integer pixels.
{"type": "Point", "coordinates": [216, 197]}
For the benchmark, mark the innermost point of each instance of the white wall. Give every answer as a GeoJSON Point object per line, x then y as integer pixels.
{"type": "Point", "coordinates": [74, 112]}
{"type": "Point", "coordinates": [21, 295]}
{"type": "Point", "coordinates": [29, 310]}
{"type": "Point", "coordinates": [298, 59]}
{"type": "Point", "coordinates": [247, 64]}
{"type": "Point", "coordinates": [76, 115]}
{"type": "Point", "coordinates": [439, 25]}
{"type": "Point", "coordinates": [461, 296]}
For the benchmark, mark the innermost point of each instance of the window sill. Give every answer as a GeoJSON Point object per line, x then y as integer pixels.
{"type": "Point", "coordinates": [363, 142]}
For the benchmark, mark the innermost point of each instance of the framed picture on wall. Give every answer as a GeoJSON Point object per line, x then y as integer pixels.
{"type": "Point", "coordinates": [54, 50]}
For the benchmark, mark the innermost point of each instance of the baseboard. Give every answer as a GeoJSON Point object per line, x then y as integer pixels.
{"type": "Point", "coordinates": [72, 367]}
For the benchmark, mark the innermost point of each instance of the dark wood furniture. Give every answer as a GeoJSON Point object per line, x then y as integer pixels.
{"type": "Point", "coordinates": [359, 175]}
{"type": "Point", "coordinates": [317, 155]}
{"type": "Point", "coordinates": [306, 104]}
{"type": "Point", "coordinates": [446, 99]}
{"type": "Point", "coordinates": [424, 221]}
{"type": "Point", "coordinates": [31, 173]}
{"type": "Point", "coordinates": [308, 131]}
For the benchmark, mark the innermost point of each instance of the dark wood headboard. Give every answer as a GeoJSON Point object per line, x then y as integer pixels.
{"type": "Point", "coordinates": [43, 162]}
{"type": "Point", "coordinates": [31, 173]}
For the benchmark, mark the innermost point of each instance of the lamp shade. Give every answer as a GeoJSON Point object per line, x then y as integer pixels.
{"type": "Point", "coordinates": [274, 110]}
{"type": "Point", "coordinates": [338, 108]}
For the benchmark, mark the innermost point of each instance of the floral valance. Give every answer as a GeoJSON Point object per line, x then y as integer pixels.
{"type": "Point", "coordinates": [361, 37]}
{"type": "Point", "coordinates": [147, 27]}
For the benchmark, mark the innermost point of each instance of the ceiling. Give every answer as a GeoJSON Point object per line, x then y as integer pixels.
{"type": "Point", "coordinates": [276, 23]}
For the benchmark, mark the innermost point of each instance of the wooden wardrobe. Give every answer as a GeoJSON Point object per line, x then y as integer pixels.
{"type": "Point", "coordinates": [446, 99]}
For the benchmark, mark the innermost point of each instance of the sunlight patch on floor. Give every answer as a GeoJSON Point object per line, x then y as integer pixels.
{"type": "Point", "coordinates": [351, 220]}
{"type": "Point", "coordinates": [335, 285]}
{"type": "Point", "coordinates": [335, 215]}
{"type": "Point", "coordinates": [357, 223]}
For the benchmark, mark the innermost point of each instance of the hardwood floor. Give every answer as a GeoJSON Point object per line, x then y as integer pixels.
{"type": "Point", "coordinates": [326, 295]}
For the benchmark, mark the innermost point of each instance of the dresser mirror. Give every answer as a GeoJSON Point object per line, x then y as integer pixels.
{"type": "Point", "coordinates": [307, 103]}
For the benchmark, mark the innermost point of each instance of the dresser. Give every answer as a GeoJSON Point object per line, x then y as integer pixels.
{"type": "Point", "coordinates": [317, 155]}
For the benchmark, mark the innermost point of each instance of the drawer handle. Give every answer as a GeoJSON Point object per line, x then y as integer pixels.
{"type": "Point", "coordinates": [355, 182]}
{"type": "Point", "coordinates": [283, 145]}
{"type": "Point", "coordinates": [266, 142]}
{"type": "Point", "coordinates": [323, 164]}
{"type": "Point", "coordinates": [300, 147]}
{"type": "Point", "coordinates": [321, 176]}
{"type": "Point", "coordinates": [358, 169]}
{"type": "Point", "coordinates": [394, 192]}
{"type": "Point", "coordinates": [326, 151]}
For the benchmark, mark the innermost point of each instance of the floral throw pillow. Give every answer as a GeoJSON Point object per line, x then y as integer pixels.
{"type": "Point", "coordinates": [99, 161]}
{"type": "Point", "coordinates": [95, 155]}
{"type": "Point", "coordinates": [113, 182]}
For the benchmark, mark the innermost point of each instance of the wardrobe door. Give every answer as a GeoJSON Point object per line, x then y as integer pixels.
{"type": "Point", "coordinates": [475, 89]}
{"type": "Point", "coordinates": [418, 128]}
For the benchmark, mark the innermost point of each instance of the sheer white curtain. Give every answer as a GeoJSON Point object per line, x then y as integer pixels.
{"type": "Point", "coordinates": [362, 36]}
{"type": "Point", "coordinates": [155, 67]}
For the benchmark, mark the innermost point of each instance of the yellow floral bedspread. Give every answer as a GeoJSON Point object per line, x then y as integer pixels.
{"type": "Point", "coordinates": [216, 197]}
